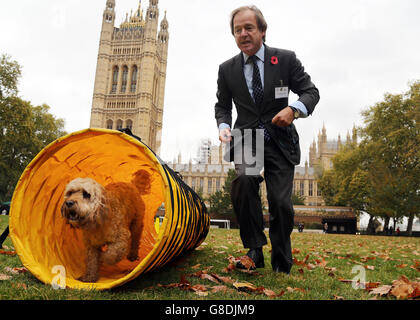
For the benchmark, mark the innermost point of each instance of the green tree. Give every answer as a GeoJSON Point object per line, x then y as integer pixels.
{"type": "Point", "coordinates": [298, 200]}
{"type": "Point", "coordinates": [381, 174]}
{"type": "Point", "coordinates": [328, 185]}
{"type": "Point", "coordinates": [392, 139]}
{"type": "Point", "coordinates": [220, 202]}
{"type": "Point", "coordinates": [24, 129]}
{"type": "Point", "coordinates": [10, 72]}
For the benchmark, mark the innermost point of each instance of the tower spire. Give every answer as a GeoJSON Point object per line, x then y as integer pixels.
{"type": "Point", "coordinates": [163, 33]}
{"type": "Point", "coordinates": [109, 12]}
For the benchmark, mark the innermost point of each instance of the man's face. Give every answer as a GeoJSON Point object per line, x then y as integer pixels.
{"type": "Point", "coordinates": [247, 35]}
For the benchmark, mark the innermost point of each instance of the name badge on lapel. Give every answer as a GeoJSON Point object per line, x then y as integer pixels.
{"type": "Point", "coordinates": [281, 92]}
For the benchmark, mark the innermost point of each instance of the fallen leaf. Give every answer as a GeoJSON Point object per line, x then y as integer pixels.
{"type": "Point", "coordinates": [221, 288]}
{"type": "Point", "coordinates": [4, 276]}
{"type": "Point", "coordinates": [208, 277]}
{"type": "Point", "coordinates": [183, 280]}
{"type": "Point", "coordinates": [382, 290]}
{"type": "Point", "coordinates": [322, 263]}
{"type": "Point", "coordinates": [269, 293]}
{"type": "Point", "coordinates": [338, 297]}
{"type": "Point", "coordinates": [331, 269]}
{"type": "Point", "coordinates": [198, 287]}
{"type": "Point", "coordinates": [9, 253]}
{"type": "Point", "coordinates": [289, 289]}
{"type": "Point", "coordinates": [21, 270]}
{"type": "Point", "coordinates": [244, 286]}
{"type": "Point", "coordinates": [301, 263]}
{"type": "Point", "coordinates": [196, 266]}
{"type": "Point", "coordinates": [20, 285]}
{"type": "Point", "coordinates": [310, 266]}
{"type": "Point", "coordinates": [402, 290]}
{"type": "Point", "coordinates": [10, 270]}
{"type": "Point", "coordinates": [247, 262]}
{"type": "Point", "coordinates": [371, 285]}
{"type": "Point", "coordinates": [223, 279]}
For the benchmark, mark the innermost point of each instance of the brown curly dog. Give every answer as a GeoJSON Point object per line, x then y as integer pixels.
{"type": "Point", "coordinates": [110, 217]}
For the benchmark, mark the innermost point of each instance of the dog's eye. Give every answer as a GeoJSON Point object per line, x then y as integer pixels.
{"type": "Point", "coordinates": [86, 195]}
{"type": "Point", "coordinates": [69, 193]}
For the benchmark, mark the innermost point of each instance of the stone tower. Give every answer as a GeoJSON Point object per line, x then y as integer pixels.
{"type": "Point", "coordinates": [131, 73]}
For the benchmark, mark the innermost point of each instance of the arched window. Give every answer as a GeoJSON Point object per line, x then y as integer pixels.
{"type": "Point", "coordinates": [109, 124]}
{"type": "Point", "coordinates": [134, 79]}
{"type": "Point", "coordinates": [114, 79]}
{"type": "Point", "coordinates": [119, 124]}
{"type": "Point", "coordinates": [124, 79]}
{"type": "Point", "coordinates": [129, 124]}
{"type": "Point", "coordinates": [155, 89]}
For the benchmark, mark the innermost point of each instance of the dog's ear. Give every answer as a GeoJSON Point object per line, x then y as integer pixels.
{"type": "Point", "coordinates": [62, 209]}
{"type": "Point", "coordinates": [101, 206]}
{"type": "Point", "coordinates": [141, 180]}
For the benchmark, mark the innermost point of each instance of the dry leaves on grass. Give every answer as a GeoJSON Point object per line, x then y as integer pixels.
{"type": "Point", "coordinates": [224, 284]}
{"type": "Point", "coordinates": [250, 288]}
{"type": "Point", "coordinates": [8, 253]}
{"type": "Point", "coordinates": [361, 285]}
{"type": "Point", "coordinates": [310, 266]}
{"type": "Point", "coordinates": [4, 277]}
{"type": "Point", "coordinates": [9, 270]}
{"type": "Point", "coordinates": [20, 286]}
{"type": "Point", "coordinates": [402, 288]}
{"type": "Point", "coordinates": [290, 289]}
{"type": "Point", "coordinates": [246, 261]}
{"type": "Point", "coordinates": [15, 270]}
{"type": "Point", "coordinates": [381, 291]}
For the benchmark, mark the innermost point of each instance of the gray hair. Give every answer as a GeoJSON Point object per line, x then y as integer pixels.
{"type": "Point", "coordinates": [261, 23]}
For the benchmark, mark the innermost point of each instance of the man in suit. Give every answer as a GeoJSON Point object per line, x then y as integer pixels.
{"type": "Point", "coordinates": [258, 81]}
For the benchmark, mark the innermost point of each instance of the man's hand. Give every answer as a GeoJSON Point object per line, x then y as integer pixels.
{"type": "Point", "coordinates": [225, 135]}
{"type": "Point", "coordinates": [284, 118]}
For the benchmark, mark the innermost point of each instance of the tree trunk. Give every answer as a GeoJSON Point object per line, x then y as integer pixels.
{"type": "Point", "coordinates": [394, 227]}
{"type": "Point", "coordinates": [410, 224]}
{"type": "Point", "coordinates": [370, 225]}
{"type": "Point", "coordinates": [386, 223]}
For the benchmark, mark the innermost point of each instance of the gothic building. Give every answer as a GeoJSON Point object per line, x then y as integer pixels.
{"type": "Point", "coordinates": [131, 73]}
{"type": "Point", "coordinates": [209, 173]}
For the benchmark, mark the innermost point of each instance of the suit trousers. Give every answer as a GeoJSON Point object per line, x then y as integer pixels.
{"type": "Point", "coordinates": [245, 196]}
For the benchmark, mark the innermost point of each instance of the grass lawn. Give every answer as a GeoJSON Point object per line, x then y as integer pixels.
{"type": "Point", "coordinates": [322, 271]}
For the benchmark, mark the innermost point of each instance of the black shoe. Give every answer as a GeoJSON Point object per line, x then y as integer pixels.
{"type": "Point", "coordinates": [279, 270]}
{"type": "Point", "coordinates": [257, 256]}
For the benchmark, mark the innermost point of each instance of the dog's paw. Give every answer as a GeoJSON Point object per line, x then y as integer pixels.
{"type": "Point", "coordinates": [88, 278]}
{"type": "Point", "coordinates": [133, 257]}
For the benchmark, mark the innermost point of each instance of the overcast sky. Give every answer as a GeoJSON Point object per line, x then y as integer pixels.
{"type": "Point", "coordinates": [355, 51]}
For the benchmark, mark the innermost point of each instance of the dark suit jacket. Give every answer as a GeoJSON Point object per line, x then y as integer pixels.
{"type": "Point", "coordinates": [287, 72]}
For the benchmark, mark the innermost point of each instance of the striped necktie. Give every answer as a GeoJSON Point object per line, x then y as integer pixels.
{"type": "Point", "coordinates": [258, 93]}
{"type": "Point", "coordinates": [257, 88]}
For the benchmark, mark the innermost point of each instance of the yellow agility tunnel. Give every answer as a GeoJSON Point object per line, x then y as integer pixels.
{"type": "Point", "coordinates": [46, 244]}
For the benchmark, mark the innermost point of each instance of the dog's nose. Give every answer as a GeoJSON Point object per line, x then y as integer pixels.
{"type": "Point", "coordinates": [69, 204]}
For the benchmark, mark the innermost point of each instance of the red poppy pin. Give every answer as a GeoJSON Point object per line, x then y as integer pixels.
{"type": "Point", "coordinates": [274, 60]}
